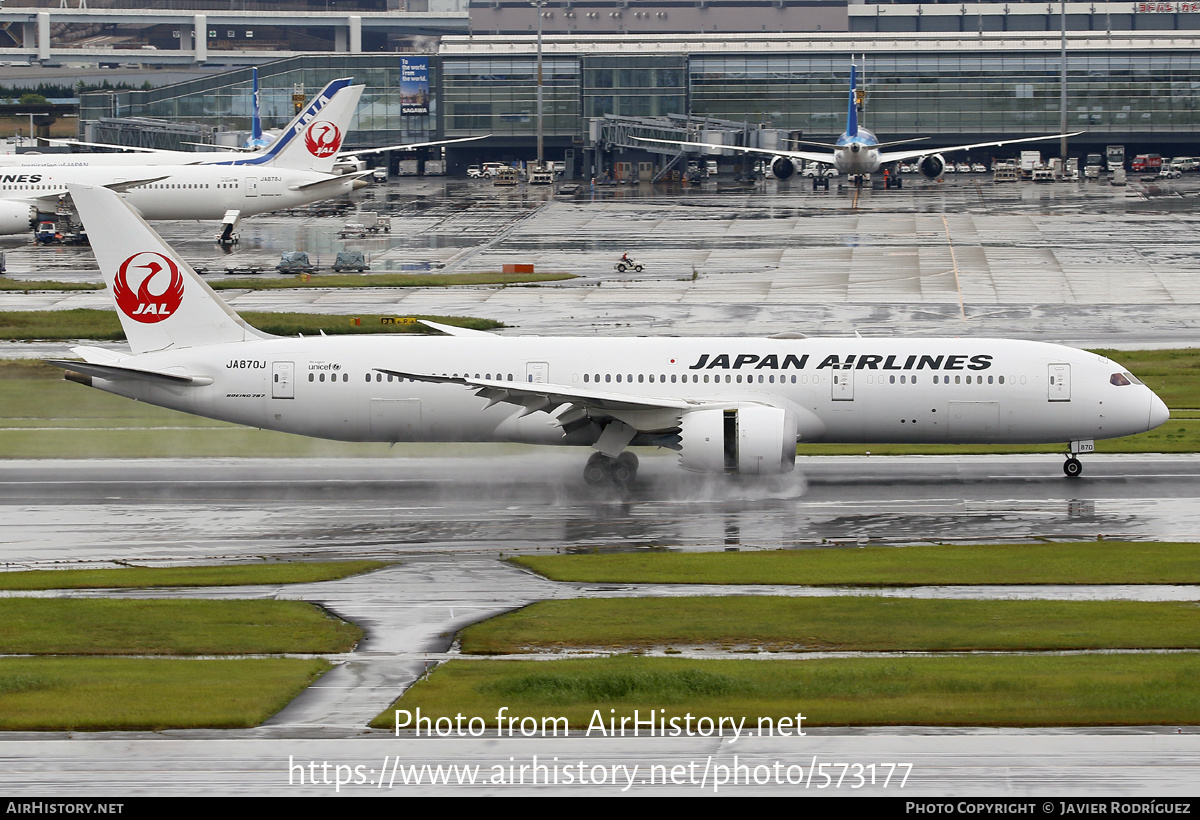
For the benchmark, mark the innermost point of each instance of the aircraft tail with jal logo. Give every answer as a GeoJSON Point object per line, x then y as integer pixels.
{"type": "Point", "coordinates": [161, 301]}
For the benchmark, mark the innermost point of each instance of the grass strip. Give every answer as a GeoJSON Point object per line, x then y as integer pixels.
{"type": "Point", "coordinates": [862, 624]}
{"type": "Point", "coordinates": [63, 626]}
{"type": "Point", "coordinates": [1089, 562]}
{"type": "Point", "coordinates": [1109, 690]}
{"type": "Point", "coordinates": [102, 694]}
{"type": "Point", "coordinates": [295, 572]}
{"type": "Point", "coordinates": [27, 285]}
{"type": "Point", "coordinates": [389, 280]}
{"type": "Point", "coordinates": [103, 325]}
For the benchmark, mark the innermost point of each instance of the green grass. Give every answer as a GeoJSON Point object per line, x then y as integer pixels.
{"type": "Point", "coordinates": [26, 285]}
{"type": "Point", "coordinates": [1109, 690]}
{"type": "Point", "coordinates": [1173, 374]}
{"type": "Point", "coordinates": [862, 624]}
{"type": "Point", "coordinates": [103, 325]}
{"type": "Point", "coordinates": [97, 626]}
{"type": "Point", "coordinates": [73, 694]}
{"type": "Point", "coordinates": [389, 280]}
{"type": "Point", "coordinates": [1092, 562]}
{"type": "Point", "coordinates": [292, 572]}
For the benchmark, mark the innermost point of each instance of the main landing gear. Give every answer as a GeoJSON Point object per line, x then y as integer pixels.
{"type": "Point", "coordinates": [1072, 467]}
{"type": "Point", "coordinates": [601, 470]}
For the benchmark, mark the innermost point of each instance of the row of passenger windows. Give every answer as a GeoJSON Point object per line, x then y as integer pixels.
{"type": "Point", "coordinates": [500, 377]}
{"type": "Point", "coordinates": [174, 186]}
{"type": "Point", "coordinates": [938, 379]}
{"type": "Point", "coordinates": [628, 378]}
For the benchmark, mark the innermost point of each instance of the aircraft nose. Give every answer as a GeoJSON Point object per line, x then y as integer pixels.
{"type": "Point", "coordinates": [1158, 412]}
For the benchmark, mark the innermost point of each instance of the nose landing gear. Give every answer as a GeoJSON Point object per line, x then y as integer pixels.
{"type": "Point", "coordinates": [1072, 467]}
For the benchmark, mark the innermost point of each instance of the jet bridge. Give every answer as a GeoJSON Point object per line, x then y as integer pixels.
{"type": "Point", "coordinates": [613, 134]}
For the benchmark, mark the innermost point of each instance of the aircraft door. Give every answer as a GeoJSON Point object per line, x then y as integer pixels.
{"type": "Point", "coordinates": [537, 372]}
{"type": "Point", "coordinates": [1059, 383]}
{"type": "Point", "coordinates": [251, 186]}
{"type": "Point", "coordinates": [283, 384]}
{"type": "Point", "coordinates": [842, 384]}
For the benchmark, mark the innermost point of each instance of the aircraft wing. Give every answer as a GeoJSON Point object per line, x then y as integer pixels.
{"type": "Point", "coordinates": [134, 149]}
{"type": "Point", "coordinates": [534, 396]}
{"type": "Point", "coordinates": [900, 156]}
{"type": "Point", "coordinates": [810, 156]}
{"type": "Point", "coordinates": [365, 151]}
{"type": "Point", "coordinates": [454, 330]}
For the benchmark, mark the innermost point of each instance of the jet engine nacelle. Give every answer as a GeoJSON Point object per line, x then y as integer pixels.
{"type": "Point", "coordinates": [750, 440]}
{"type": "Point", "coordinates": [783, 167]}
{"type": "Point", "coordinates": [16, 217]}
{"type": "Point", "coordinates": [932, 165]}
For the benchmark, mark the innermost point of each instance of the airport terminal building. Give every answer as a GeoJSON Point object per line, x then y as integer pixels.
{"type": "Point", "coordinates": [956, 72]}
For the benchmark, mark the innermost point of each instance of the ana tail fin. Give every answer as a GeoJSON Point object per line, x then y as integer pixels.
{"type": "Point", "coordinates": [852, 112]}
{"type": "Point", "coordinates": [256, 122]}
{"type": "Point", "coordinates": [313, 138]}
{"type": "Point", "coordinates": [162, 303]}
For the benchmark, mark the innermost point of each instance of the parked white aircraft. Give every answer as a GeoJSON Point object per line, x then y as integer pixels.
{"type": "Point", "coordinates": [857, 151]}
{"type": "Point", "coordinates": [727, 405]}
{"type": "Point", "coordinates": [257, 150]}
{"type": "Point", "coordinates": [295, 170]}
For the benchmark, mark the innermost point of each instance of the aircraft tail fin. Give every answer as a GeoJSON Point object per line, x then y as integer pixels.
{"type": "Point", "coordinates": [162, 303]}
{"type": "Point", "coordinates": [256, 137]}
{"type": "Point", "coordinates": [852, 111]}
{"type": "Point", "coordinates": [312, 139]}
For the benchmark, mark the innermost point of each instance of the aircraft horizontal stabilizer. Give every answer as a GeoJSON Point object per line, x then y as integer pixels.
{"type": "Point", "coordinates": [120, 187]}
{"type": "Point", "coordinates": [330, 181]}
{"type": "Point", "coordinates": [114, 372]}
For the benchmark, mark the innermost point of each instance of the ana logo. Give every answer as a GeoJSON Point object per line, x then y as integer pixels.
{"type": "Point", "coordinates": [322, 138]}
{"type": "Point", "coordinates": [158, 283]}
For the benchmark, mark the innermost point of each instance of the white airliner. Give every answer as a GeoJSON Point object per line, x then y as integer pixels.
{"type": "Point", "coordinates": [295, 170]}
{"type": "Point", "coordinates": [727, 405]}
{"type": "Point", "coordinates": [254, 151]}
{"type": "Point", "coordinates": [857, 152]}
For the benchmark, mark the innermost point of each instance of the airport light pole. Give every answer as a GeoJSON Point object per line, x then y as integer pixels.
{"type": "Point", "coordinates": [1062, 123]}
{"type": "Point", "coordinates": [537, 4]}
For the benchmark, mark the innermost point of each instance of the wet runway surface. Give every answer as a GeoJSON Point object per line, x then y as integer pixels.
{"type": "Point", "coordinates": [201, 509]}
{"type": "Point", "coordinates": [1087, 264]}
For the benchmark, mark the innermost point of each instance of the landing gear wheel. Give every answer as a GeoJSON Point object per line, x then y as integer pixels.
{"type": "Point", "coordinates": [1072, 467]}
{"type": "Point", "coordinates": [624, 470]}
{"type": "Point", "coordinates": [598, 470]}
{"type": "Point", "coordinates": [898, 182]}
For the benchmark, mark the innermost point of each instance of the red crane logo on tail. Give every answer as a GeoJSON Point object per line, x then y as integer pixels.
{"type": "Point", "coordinates": [322, 139]}
{"type": "Point", "coordinates": [156, 290]}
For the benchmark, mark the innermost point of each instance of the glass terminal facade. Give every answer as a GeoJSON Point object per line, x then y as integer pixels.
{"type": "Point", "coordinates": [1134, 90]}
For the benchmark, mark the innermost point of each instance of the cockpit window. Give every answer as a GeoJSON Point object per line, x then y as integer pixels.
{"type": "Point", "coordinates": [1119, 379]}
{"type": "Point", "coordinates": [1132, 377]}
